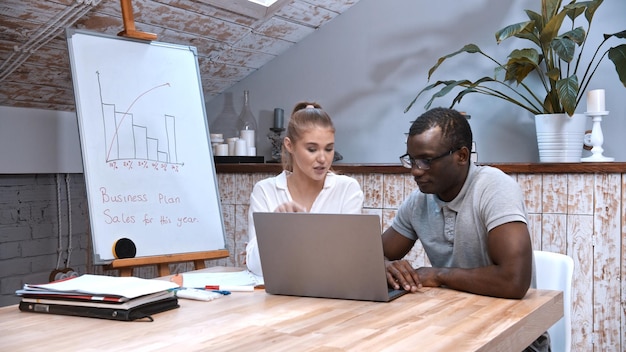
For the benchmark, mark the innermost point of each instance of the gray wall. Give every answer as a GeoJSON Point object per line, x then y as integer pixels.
{"type": "Point", "coordinates": [40, 141]}
{"type": "Point", "coordinates": [366, 65]}
{"type": "Point", "coordinates": [29, 229]}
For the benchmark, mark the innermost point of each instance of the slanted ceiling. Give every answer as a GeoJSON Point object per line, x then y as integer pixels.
{"type": "Point", "coordinates": [233, 38]}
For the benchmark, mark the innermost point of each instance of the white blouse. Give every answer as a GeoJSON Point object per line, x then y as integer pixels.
{"type": "Point", "coordinates": [341, 194]}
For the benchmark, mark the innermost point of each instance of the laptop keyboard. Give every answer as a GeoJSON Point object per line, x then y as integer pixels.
{"type": "Point", "coordinates": [393, 293]}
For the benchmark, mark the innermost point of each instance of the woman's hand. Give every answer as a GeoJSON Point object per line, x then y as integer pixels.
{"type": "Point", "coordinates": [244, 253]}
{"type": "Point", "coordinates": [290, 207]}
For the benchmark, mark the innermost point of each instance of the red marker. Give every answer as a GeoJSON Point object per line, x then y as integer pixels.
{"type": "Point", "coordinates": [231, 288]}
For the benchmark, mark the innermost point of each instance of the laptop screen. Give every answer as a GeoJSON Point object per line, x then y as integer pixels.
{"type": "Point", "coordinates": [322, 255]}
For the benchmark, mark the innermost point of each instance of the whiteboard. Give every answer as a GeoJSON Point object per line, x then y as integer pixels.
{"type": "Point", "coordinates": [146, 153]}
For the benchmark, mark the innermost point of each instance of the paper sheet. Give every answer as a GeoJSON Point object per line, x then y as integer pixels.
{"type": "Point", "coordinates": [129, 287]}
{"type": "Point", "coordinates": [234, 278]}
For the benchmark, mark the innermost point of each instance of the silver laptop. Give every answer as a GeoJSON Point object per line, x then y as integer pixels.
{"type": "Point", "coordinates": [323, 255]}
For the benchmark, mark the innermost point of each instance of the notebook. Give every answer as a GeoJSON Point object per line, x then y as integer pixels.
{"type": "Point", "coordinates": [323, 255]}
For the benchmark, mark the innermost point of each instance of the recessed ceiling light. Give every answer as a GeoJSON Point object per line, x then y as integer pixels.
{"type": "Point", "coordinates": [266, 3]}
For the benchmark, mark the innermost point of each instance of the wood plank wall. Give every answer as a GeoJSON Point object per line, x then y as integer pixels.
{"type": "Point", "coordinates": [582, 215]}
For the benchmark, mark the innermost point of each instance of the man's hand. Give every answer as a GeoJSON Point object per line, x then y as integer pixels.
{"type": "Point", "coordinates": [429, 276]}
{"type": "Point", "coordinates": [400, 274]}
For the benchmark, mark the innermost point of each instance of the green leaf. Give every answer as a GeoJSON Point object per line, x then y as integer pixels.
{"type": "Point", "coordinates": [469, 48]}
{"type": "Point", "coordinates": [551, 103]}
{"type": "Point", "coordinates": [618, 56]}
{"type": "Point", "coordinates": [520, 64]}
{"type": "Point", "coordinates": [449, 86]}
{"type": "Point", "coordinates": [575, 9]}
{"type": "Point", "coordinates": [528, 54]}
{"type": "Point", "coordinates": [536, 18]}
{"type": "Point", "coordinates": [567, 90]}
{"type": "Point", "coordinates": [577, 35]}
{"type": "Point", "coordinates": [551, 30]}
{"type": "Point", "coordinates": [549, 8]}
{"type": "Point", "coordinates": [564, 48]}
{"type": "Point", "coordinates": [591, 9]}
{"type": "Point", "coordinates": [621, 34]}
{"type": "Point", "coordinates": [471, 88]}
{"type": "Point", "coordinates": [554, 74]}
{"type": "Point", "coordinates": [427, 88]}
{"type": "Point", "coordinates": [461, 94]}
{"type": "Point", "coordinates": [518, 70]}
{"type": "Point", "coordinates": [514, 30]}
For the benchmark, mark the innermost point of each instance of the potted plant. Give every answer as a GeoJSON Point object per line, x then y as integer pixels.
{"type": "Point", "coordinates": [555, 59]}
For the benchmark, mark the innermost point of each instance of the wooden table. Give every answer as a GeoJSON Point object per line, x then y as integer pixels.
{"type": "Point", "coordinates": [435, 319]}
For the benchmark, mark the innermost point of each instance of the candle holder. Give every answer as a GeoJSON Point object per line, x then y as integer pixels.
{"type": "Point", "coordinates": [596, 139]}
{"type": "Point", "coordinates": [277, 142]}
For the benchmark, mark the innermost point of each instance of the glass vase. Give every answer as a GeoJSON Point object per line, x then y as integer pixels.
{"type": "Point", "coordinates": [226, 122]}
{"type": "Point", "coordinates": [247, 122]}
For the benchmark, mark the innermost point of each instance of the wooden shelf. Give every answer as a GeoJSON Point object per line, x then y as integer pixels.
{"type": "Point", "coordinates": [520, 168]}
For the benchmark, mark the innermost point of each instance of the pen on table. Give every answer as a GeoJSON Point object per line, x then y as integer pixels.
{"type": "Point", "coordinates": [231, 288]}
{"type": "Point", "coordinates": [222, 292]}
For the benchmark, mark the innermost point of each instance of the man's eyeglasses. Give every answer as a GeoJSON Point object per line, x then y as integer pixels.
{"type": "Point", "coordinates": [422, 164]}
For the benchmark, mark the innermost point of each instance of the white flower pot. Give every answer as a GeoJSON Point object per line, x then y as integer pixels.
{"type": "Point", "coordinates": [560, 137]}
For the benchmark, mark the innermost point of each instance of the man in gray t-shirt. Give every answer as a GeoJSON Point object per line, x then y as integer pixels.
{"type": "Point", "coordinates": [470, 219]}
{"type": "Point", "coordinates": [455, 233]}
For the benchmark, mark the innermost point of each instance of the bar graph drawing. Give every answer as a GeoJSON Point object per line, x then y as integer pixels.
{"type": "Point", "coordinates": [127, 140]}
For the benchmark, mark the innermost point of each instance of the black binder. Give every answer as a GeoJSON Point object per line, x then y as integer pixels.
{"type": "Point", "coordinates": [143, 311]}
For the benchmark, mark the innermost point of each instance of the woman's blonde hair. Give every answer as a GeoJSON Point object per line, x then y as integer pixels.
{"type": "Point", "coordinates": [305, 115]}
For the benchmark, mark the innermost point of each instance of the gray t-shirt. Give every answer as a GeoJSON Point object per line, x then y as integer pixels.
{"type": "Point", "coordinates": [454, 234]}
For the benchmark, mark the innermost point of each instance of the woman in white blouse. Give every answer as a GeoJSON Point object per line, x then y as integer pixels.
{"type": "Point", "coordinates": [306, 184]}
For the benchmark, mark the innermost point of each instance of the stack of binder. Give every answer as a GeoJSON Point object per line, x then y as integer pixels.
{"type": "Point", "coordinates": [99, 296]}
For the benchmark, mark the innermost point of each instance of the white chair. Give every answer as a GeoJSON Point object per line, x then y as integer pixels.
{"type": "Point", "coordinates": [554, 271]}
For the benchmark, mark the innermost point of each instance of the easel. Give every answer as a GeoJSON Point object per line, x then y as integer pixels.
{"type": "Point", "coordinates": [125, 266]}
{"type": "Point", "coordinates": [129, 24]}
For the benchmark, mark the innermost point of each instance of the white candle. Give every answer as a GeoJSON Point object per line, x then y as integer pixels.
{"type": "Point", "coordinates": [595, 100]}
{"type": "Point", "coordinates": [241, 147]}
{"type": "Point", "coordinates": [248, 135]}
{"type": "Point", "coordinates": [221, 150]}
{"type": "Point", "coordinates": [231, 145]}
